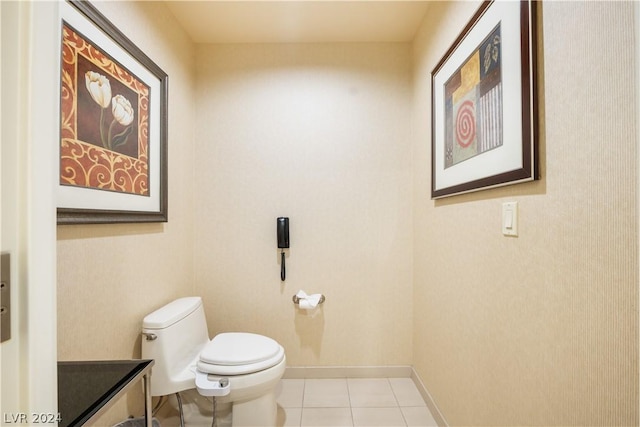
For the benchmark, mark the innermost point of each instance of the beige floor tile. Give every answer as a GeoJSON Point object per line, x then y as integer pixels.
{"type": "Point", "coordinates": [418, 417]}
{"type": "Point", "coordinates": [289, 417]}
{"type": "Point", "coordinates": [406, 392]}
{"type": "Point", "coordinates": [374, 417]}
{"type": "Point", "coordinates": [329, 393]}
{"type": "Point", "coordinates": [373, 392]}
{"type": "Point", "coordinates": [289, 393]}
{"type": "Point", "coordinates": [326, 417]}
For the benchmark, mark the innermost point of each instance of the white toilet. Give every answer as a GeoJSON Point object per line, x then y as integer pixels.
{"type": "Point", "coordinates": [176, 337]}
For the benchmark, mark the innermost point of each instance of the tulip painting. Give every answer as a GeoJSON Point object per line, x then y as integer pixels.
{"type": "Point", "coordinates": [104, 121]}
{"type": "Point", "coordinates": [113, 124]}
{"type": "Point", "coordinates": [100, 90]}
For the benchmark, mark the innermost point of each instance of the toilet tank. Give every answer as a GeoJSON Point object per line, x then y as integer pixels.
{"type": "Point", "coordinates": [173, 336]}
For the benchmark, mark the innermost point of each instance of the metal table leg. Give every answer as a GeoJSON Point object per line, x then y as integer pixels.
{"type": "Point", "coordinates": [148, 416]}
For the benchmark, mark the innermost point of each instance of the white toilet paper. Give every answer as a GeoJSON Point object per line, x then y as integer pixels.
{"type": "Point", "coordinates": [305, 305]}
{"type": "Point", "coordinates": [308, 302]}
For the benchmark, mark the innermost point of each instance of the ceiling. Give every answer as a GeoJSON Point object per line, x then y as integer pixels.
{"type": "Point", "coordinates": [315, 21]}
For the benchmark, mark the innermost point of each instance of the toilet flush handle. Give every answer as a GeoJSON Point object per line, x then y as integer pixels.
{"type": "Point", "coordinates": [149, 336]}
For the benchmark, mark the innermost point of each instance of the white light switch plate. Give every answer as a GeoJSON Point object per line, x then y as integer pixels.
{"type": "Point", "coordinates": [510, 218]}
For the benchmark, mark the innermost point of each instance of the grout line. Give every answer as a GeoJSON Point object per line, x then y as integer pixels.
{"type": "Point", "coordinates": [397, 402]}
{"type": "Point", "coordinates": [395, 396]}
{"type": "Point", "coordinates": [353, 419]}
{"type": "Point", "coordinates": [304, 392]}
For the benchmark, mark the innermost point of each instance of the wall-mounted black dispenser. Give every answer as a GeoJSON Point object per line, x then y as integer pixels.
{"type": "Point", "coordinates": [283, 242]}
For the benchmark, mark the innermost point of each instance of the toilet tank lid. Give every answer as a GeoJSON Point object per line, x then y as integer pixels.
{"type": "Point", "coordinates": [171, 313]}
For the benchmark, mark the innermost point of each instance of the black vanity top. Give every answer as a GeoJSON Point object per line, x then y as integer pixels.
{"type": "Point", "coordinates": [86, 388]}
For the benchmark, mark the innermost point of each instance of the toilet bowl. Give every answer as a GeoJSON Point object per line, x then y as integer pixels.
{"type": "Point", "coordinates": [248, 365]}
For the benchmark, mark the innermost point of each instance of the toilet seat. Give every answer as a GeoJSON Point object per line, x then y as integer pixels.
{"type": "Point", "coordinates": [238, 353]}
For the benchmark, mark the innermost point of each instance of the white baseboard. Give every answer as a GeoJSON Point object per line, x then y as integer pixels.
{"type": "Point", "coordinates": [322, 372]}
{"type": "Point", "coordinates": [431, 404]}
{"type": "Point", "coordinates": [325, 372]}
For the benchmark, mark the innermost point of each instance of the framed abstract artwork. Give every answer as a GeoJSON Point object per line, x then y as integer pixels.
{"type": "Point", "coordinates": [484, 112]}
{"type": "Point", "coordinates": [113, 124]}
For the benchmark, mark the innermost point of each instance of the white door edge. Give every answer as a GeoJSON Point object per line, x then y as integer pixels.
{"type": "Point", "coordinates": [29, 359]}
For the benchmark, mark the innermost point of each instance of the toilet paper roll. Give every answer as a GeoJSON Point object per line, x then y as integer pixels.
{"type": "Point", "coordinates": [306, 305]}
{"type": "Point", "coordinates": [308, 302]}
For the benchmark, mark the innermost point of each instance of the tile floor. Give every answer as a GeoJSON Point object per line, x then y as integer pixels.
{"type": "Point", "coordinates": [351, 402]}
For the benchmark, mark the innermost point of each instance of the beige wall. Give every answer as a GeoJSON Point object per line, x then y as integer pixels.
{"type": "Point", "coordinates": [110, 276]}
{"type": "Point", "coordinates": [541, 329]}
{"type": "Point", "coordinates": [321, 134]}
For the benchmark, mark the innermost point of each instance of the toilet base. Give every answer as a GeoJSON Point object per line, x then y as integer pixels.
{"type": "Point", "coordinates": [198, 411]}
{"type": "Point", "coordinates": [261, 411]}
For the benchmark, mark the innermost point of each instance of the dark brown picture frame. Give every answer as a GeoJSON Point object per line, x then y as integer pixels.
{"type": "Point", "coordinates": [484, 117]}
{"type": "Point", "coordinates": [83, 199]}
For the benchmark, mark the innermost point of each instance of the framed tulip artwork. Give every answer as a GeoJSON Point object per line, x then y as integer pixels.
{"type": "Point", "coordinates": [484, 112]}
{"type": "Point", "coordinates": [113, 133]}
